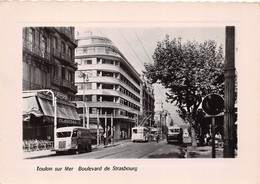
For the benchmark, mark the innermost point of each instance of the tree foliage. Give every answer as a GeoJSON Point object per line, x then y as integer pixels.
{"type": "Point", "coordinates": [189, 71]}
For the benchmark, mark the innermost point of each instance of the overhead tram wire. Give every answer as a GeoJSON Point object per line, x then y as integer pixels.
{"type": "Point", "coordinates": [130, 46]}
{"type": "Point", "coordinates": [139, 58]}
{"type": "Point", "coordinates": [150, 61]}
{"type": "Point", "coordinates": [142, 45]}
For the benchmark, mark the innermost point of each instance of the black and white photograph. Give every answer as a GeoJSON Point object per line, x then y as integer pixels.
{"type": "Point", "coordinates": [129, 92]}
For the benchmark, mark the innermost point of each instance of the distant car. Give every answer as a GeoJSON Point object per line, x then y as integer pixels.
{"type": "Point", "coordinates": [185, 133]}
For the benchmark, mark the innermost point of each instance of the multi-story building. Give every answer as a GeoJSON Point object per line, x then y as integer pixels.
{"type": "Point", "coordinates": [113, 91]}
{"type": "Point", "coordinates": [48, 63]}
{"type": "Point", "coordinates": [148, 103]}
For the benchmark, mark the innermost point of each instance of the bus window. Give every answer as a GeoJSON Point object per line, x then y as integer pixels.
{"type": "Point", "coordinates": [135, 131]}
{"type": "Point", "coordinates": [74, 134]}
{"type": "Point", "coordinates": [63, 134]}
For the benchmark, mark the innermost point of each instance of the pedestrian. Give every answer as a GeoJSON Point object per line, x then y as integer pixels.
{"type": "Point", "coordinates": [208, 138]}
{"type": "Point", "coordinates": [105, 138]}
{"type": "Point", "coordinates": [219, 138]}
{"type": "Point", "coordinates": [157, 138]}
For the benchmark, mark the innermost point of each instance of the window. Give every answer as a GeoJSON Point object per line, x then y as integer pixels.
{"type": "Point", "coordinates": [101, 49]}
{"type": "Point", "coordinates": [89, 85]}
{"type": "Point", "coordinates": [87, 62]}
{"type": "Point", "coordinates": [63, 134]}
{"type": "Point", "coordinates": [75, 134]}
{"type": "Point", "coordinates": [78, 97]}
{"type": "Point", "coordinates": [88, 98]}
{"type": "Point", "coordinates": [55, 43]}
{"type": "Point", "coordinates": [98, 40]}
{"type": "Point", "coordinates": [70, 52]}
{"type": "Point", "coordinates": [43, 45]}
{"type": "Point", "coordinates": [107, 74]}
{"type": "Point", "coordinates": [63, 73]}
{"type": "Point", "coordinates": [106, 61]}
{"type": "Point", "coordinates": [79, 110]}
{"type": "Point", "coordinates": [70, 76]}
{"type": "Point", "coordinates": [107, 99]}
{"type": "Point", "coordinates": [90, 50]}
{"type": "Point", "coordinates": [55, 71]}
{"type": "Point", "coordinates": [63, 48]}
{"type": "Point", "coordinates": [107, 86]}
{"type": "Point", "coordinates": [31, 36]}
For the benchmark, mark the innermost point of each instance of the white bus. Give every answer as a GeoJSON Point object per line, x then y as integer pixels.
{"type": "Point", "coordinates": [154, 133]}
{"type": "Point", "coordinates": [140, 134]}
{"type": "Point", "coordinates": [76, 139]}
{"type": "Point", "coordinates": [175, 134]}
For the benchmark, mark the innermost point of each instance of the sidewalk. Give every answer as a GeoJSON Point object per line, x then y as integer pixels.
{"type": "Point", "coordinates": [46, 153]}
{"type": "Point", "coordinates": [203, 152]}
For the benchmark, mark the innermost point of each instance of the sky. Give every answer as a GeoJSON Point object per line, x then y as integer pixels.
{"type": "Point", "coordinates": [138, 44]}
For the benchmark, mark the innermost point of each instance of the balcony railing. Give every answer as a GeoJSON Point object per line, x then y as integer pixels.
{"type": "Point", "coordinates": [66, 57]}
{"type": "Point", "coordinates": [37, 50]}
{"type": "Point", "coordinates": [68, 84]}
{"type": "Point", "coordinates": [57, 81]}
{"type": "Point", "coordinates": [27, 85]}
{"type": "Point", "coordinates": [96, 51]}
{"type": "Point", "coordinates": [65, 31]}
{"type": "Point", "coordinates": [64, 83]}
{"type": "Point", "coordinates": [55, 53]}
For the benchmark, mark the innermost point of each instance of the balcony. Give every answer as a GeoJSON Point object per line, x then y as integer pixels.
{"type": "Point", "coordinates": [70, 85]}
{"type": "Point", "coordinates": [66, 33]}
{"type": "Point", "coordinates": [36, 50]}
{"type": "Point", "coordinates": [27, 85]}
{"type": "Point", "coordinates": [66, 57]}
{"type": "Point", "coordinates": [96, 51]}
{"type": "Point", "coordinates": [57, 81]}
{"type": "Point", "coordinates": [55, 53]}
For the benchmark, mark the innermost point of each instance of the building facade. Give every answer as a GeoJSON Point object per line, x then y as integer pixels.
{"type": "Point", "coordinates": [48, 63]}
{"type": "Point", "coordinates": [113, 90]}
{"type": "Point", "coordinates": [148, 104]}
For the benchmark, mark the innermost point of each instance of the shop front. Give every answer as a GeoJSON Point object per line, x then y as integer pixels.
{"type": "Point", "coordinates": [38, 116]}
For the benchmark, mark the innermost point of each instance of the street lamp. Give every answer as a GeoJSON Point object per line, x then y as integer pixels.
{"type": "Point", "coordinates": [85, 78]}
{"type": "Point", "coordinates": [54, 103]}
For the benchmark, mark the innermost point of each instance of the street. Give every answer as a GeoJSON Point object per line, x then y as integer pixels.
{"type": "Point", "coordinates": [129, 150]}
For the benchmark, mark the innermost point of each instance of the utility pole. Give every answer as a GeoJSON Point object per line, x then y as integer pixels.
{"type": "Point", "coordinates": [229, 116]}
{"type": "Point", "coordinates": [137, 119]}
{"type": "Point", "coordinates": [98, 127]}
{"type": "Point", "coordinates": [85, 78]}
{"type": "Point", "coordinates": [87, 116]}
{"type": "Point", "coordinates": [106, 132]}
{"type": "Point", "coordinates": [112, 129]}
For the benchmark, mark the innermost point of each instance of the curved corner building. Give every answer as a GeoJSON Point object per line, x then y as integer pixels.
{"type": "Point", "coordinates": [112, 87]}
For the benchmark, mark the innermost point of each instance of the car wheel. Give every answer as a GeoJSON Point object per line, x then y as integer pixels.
{"type": "Point", "coordinates": [79, 150]}
{"type": "Point", "coordinates": [89, 148]}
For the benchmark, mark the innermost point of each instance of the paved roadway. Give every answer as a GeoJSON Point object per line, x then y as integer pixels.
{"type": "Point", "coordinates": [143, 150]}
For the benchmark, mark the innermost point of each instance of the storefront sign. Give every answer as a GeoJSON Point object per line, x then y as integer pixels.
{"type": "Point", "coordinates": [48, 119]}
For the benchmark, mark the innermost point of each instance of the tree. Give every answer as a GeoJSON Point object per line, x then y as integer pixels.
{"type": "Point", "coordinates": [189, 71]}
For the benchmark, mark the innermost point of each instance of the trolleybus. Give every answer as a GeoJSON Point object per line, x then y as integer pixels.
{"type": "Point", "coordinates": [140, 134]}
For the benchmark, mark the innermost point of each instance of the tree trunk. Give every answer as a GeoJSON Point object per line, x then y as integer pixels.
{"type": "Point", "coordinates": [193, 138]}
